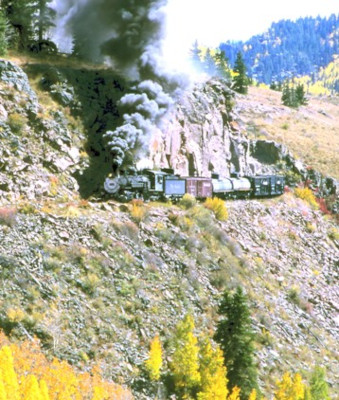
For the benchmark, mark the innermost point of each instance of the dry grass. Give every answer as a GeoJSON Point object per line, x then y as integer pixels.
{"type": "Point", "coordinates": [311, 132]}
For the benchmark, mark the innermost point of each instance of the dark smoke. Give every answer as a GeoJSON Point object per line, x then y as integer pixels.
{"type": "Point", "coordinates": [130, 33]}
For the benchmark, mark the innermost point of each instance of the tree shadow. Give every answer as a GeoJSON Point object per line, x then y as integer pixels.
{"type": "Point", "coordinates": [92, 96]}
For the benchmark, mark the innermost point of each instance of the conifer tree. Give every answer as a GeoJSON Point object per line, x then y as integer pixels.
{"type": "Point", "coordinates": [45, 18]}
{"type": "Point", "coordinates": [196, 57]}
{"type": "Point", "coordinates": [300, 95]}
{"type": "Point", "coordinates": [222, 67]}
{"type": "Point", "coordinates": [235, 336]}
{"type": "Point", "coordinates": [20, 15]}
{"type": "Point", "coordinates": [240, 79]}
{"type": "Point", "coordinates": [209, 63]}
{"type": "Point", "coordinates": [185, 359]}
{"type": "Point", "coordinates": [3, 30]}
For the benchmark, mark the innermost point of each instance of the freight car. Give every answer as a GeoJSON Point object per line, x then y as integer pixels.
{"type": "Point", "coordinates": [164, 184]}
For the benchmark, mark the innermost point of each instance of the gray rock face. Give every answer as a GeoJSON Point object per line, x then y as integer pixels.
{"type": "Point", "coordinates": [14, 76]}
{"type": "Point", "coordinates": [201, 137]}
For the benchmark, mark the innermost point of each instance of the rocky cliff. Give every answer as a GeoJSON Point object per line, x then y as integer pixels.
{"type": "Point", "coordinates": [95, 282]}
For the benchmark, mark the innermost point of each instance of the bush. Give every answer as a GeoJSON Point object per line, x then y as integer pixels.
{"type": "Point", "coordinates": [188, 201]}
{"type": "Point", "coordinates": [218, 207]}
{"type": "Point", "coordinates": [7, 216]}
{"type": "Point", "coordinates": [307, 195]}
{"type": "Point", "coordinates": [16, 122]}
{"type": "Point", "coordinates": [138, 211]}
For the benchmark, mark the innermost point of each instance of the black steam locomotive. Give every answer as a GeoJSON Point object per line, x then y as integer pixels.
{"type": "Point", "coordinates": [164, 184]}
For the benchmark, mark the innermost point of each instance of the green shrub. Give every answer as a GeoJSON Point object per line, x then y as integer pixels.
{"type": "Point", "coordinates": [218, 207]}
{"type": "Point", "coordinates": [188, 201]}
{"type": "Point", "coordinates": [16, 122]}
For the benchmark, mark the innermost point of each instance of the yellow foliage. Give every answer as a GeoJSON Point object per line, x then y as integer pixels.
{"type": "Point", "coordinates": [290, 389]}
{"type": "Point", "coordinates": [41, 379]}
{"type": "Point", "coordinates": [307, 195]}
{"type": "Point", "coordinates": [212, 372]}
{"type": "Point", "coordinates": [235, 395]}
{"type": "Point", "coordinates": [138, 212]}
{"type": "Point", "coordinates": [218, 207]}
{"type": "Point", "coordinates": [253, 395]}
{"type": "Point", "coordinates": [154, 361]}
{"type": "Point", "coordinates": [185, 359]}
{"type": "Point", "coordinates": [15, 314]}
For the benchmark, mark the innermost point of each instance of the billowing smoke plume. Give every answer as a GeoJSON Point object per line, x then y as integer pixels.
{"type": "Point", "coordinates": [130, 33]}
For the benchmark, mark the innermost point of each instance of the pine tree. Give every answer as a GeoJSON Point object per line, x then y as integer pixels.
{"type": "Point", "coordinates": [240, 79]}
{"type": "Point", "coordinates": [185, 359]}
{"type": "Point", "coordinates": [209, 63]}
{"type": "Point", "coordinates": [222, 67]}
{"type": "Point", "coordinates": [20, 15]}
{"type": "Point", "coordinates": [195, 55]}
{"type": "Point", "coordinates": [45, 18]}
{"type": "Point", "coordinates": [300, 95]}
{"type": "Point", "coordinates": [235, 336]}
{"type": "Point", "coordinates": [3, 30]}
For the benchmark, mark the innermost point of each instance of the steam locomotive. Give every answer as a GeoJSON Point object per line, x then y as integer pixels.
{"type": "Point", "coordinates": [164, 184]}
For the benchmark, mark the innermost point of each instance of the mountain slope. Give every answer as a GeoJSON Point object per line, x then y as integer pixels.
{"type": "Point", "coordinates": [288, 48]}
{"type": "Point", "coordinates": [95, 281]}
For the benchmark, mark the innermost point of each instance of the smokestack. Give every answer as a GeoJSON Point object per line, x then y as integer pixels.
{"type": "Point", "coordinates": [130, 33]}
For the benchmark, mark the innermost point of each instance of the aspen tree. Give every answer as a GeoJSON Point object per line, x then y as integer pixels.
{"type": "Point", "coordinates": [154, 362]}
{"type": "Point", "coordinates": [9, 377]}
{"type": "Point", "coordinates": [185, 359]}
{"type": "Point", "coordinates": [213, 373]}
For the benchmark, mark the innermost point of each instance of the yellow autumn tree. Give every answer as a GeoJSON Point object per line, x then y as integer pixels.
{"type": "Point", "coordinates": [290, 388]}
{"type": "Point", "coordinates": [41, 379]}
{"type": "Point", "coordinates": [185, 359]}
{"type": "Point", "coordinates": [212, 372]}
{"type": "Point", "coordinates": [9, 377]}
{"type": "Point", "coordinates": [154, 362]}
{"type": "Point", "coordinates": [235, 395]}
{"type": "Point", "coordinates": [253, 395]}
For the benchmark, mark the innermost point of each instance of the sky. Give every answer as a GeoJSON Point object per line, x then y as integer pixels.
{"type": "Point", "coordinates": [214, 21]}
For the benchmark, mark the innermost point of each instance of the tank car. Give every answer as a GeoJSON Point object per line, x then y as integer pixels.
{"type": "Point", "coordinates": [231, 187]}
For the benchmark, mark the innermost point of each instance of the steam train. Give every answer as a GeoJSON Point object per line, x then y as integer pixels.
{"type": "Point", "coordinates": [164, 184]}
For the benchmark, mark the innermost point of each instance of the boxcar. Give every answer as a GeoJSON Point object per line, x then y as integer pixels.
{"type": "Point", "coordinates": [200, 188]}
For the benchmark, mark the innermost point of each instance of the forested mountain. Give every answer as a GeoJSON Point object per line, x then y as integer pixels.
{"type": "Point", "coordinates": [288, 48]}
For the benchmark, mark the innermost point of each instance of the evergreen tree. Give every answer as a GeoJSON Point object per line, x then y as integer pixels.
{"type": "Point", "coordinates": [195, 55]}
{"type": "Point", "coordinates": [209, 64]}
{"type": "Point", "coordinates": [45, 18]}
{"type": "Point", "coordinates": [20, 15]}
{"type": "Point", "coordinates": [235, 336]}
{"type": "Point", "coordinates": [300, 95]}
{"type": "Point", "coordinates": [222, 67]}
{"type": "Point", "coordinates": [3, 30]}
{"type": "Point", "coordinates": [240, 80]}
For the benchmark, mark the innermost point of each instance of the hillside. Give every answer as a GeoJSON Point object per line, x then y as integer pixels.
{"type": "Point", "coordinates": [95, 280]}
{"type": "Point", "coordinates": [309, 132]}
{"type": "Point", "coordinates": [288, 48]}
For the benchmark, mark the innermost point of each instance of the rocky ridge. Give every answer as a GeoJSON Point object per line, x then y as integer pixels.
{"type": "Point", "coordinates": [95, 283]}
